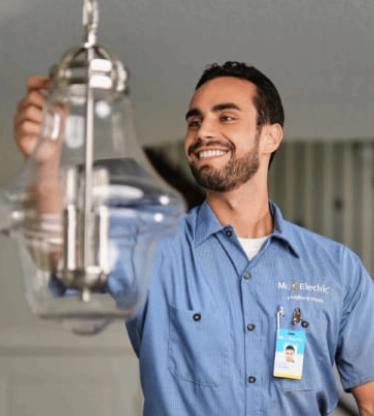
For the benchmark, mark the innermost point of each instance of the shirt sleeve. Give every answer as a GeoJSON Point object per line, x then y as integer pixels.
{"type": "Point", "coordinates": [135, 324]}
{"type": "Point", "coordinates": [355, 352]}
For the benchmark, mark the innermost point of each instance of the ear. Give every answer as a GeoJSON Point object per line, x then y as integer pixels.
{"type": "Point", "coordinates": [272, 136]}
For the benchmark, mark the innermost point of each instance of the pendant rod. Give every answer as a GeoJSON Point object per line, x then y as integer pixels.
{"type": "Point", "coordinates": [90, 21]}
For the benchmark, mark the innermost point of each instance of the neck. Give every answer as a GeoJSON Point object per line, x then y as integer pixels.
{"type": "Point", "coordinates": [246, 209]}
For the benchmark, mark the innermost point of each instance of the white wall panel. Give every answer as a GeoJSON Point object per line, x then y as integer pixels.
{"type": "Point", "coordinates": [308, 196]}
{"type": "Point", "coordinates": [331, 192]}
{"type": "Point", "coordinates": [3, 394]}
{"type": "Point", "coordinates": [328, 191]}
{"type": "Point", "coordinates": [348, 195]}
{"type": "Point", "coordinates": [367, 204]}
{"type": "Point", "coordinates": [93, 380]}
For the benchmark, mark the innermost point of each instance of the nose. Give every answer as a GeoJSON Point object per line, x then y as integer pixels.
{"type": "Point", "coordinates": [206, 132]}
{"type": "Point", "coordinates": [207, 129]}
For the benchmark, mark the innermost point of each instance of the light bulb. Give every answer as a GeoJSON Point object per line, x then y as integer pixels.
{"type": "Point", "coordinates": [87, 211]}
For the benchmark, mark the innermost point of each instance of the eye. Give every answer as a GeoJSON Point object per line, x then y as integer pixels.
{"type": "Point", "coordinates": [227, 118]}
{"type": "Point", "coordinates": [193, 123]}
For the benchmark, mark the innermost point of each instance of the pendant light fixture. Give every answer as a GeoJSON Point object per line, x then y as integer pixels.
{"type": "Point", "coordinates": [88, 211]}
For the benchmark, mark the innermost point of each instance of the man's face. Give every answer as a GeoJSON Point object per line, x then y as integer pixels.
{"type": "Point", "coordinates": [290, 355]}
{"type": "Point", "coordinates": [222, 140]}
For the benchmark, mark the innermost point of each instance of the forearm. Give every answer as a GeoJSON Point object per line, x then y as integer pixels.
{"type": "Point", "coordinates": [366, 409]}
{"type": "Point", "coordinates": [43, 227]}
{"type": "Point", "coordinates": [364, 396]}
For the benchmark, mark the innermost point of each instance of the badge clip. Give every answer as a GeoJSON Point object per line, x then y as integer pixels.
{"type": "Point", "coordinates": [296, 316]}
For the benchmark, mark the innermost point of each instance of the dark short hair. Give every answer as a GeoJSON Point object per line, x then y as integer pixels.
{"type": "Point", "coordinates": [267, 102]}
{"type": "Point", "coordinates": [290, 347]}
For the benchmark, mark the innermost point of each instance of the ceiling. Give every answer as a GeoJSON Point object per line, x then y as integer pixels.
{"type": "Point", "coordinates": [318, 53]}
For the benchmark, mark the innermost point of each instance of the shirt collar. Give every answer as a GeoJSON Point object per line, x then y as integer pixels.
{"type": "Point", "coordinates": [207, 224]}
{"type": "Point", "coordinates": [283, 230]}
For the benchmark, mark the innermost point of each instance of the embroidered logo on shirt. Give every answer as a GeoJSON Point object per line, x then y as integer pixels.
{"type": "Point", "coordinates": [303, 291]}
{"type": "Point", "coordinates": [297, 287]}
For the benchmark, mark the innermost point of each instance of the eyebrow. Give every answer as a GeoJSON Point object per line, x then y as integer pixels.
{"type": "Point", "coordinates": [218, 107]}
{"type": "Point", "coordinates": [194, 112]}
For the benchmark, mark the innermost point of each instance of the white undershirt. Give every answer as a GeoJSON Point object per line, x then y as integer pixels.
{"type": "Point", "coordinates": [252, 246]}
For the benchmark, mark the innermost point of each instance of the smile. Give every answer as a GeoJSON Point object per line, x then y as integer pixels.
{"type": "Point", "coordinates": [211, 153]}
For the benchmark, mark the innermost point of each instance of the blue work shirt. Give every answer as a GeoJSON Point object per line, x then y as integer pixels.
{"type": "Point", "coordinates": [206, 337]}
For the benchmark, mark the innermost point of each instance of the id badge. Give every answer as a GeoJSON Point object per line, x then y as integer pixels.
{"type": "Point", "coordinates": [289, 354]}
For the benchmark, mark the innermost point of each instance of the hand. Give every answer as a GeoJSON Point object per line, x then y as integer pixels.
{"type": "Point", "coordinates": [43, 188]}
{"type": "Point", "coordinates": [27, 121]}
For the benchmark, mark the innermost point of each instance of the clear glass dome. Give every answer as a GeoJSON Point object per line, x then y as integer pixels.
{"type": "Point", "coordinates": [87, 211]}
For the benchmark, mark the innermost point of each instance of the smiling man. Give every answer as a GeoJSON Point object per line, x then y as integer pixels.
{"type": "Point", "coordinates": [222, 163]}
{"type": "Point", "coordinates": [226, 286]}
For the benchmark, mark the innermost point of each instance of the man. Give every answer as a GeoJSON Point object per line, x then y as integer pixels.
{"type": "Point", "coordinates": [206, 338]}
{"type": "Point", "coordinates": [290, 353]}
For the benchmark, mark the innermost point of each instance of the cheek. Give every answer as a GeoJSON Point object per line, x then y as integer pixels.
{"type": "Point", "coordinates": [187, 143]}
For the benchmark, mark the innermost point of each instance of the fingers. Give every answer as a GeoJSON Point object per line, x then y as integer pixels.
{"type": "Point", "coordinates": [37, 82]}
{"type": "Point", "coordinates": [27, 124]}
{"type": "Point", "coordinates": [27, 129]}
{"type": "Point", "coordinates": [36, 86]}
{"type": "Point", "coordinates": [34, 98]}
{"type": "Point", "coordinates": [28, 112]}
{"type": "Point", "coordinates": [28, 118]}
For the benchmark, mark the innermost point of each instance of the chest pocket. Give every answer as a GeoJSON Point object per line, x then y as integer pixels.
{"type": "Point", "coordinates": [198, 346]}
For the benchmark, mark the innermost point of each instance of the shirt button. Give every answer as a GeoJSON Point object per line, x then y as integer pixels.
{"type": "Point", "coordinates": [196, 317]}
{"type": "Point", "coordinates": [229, 233]}
{"type": "Point", "coordinates": [247, 275]}
{"type": "Point", "coordinates": [251, 379]}
{"type": "Point", "coordinates": [251, 327]}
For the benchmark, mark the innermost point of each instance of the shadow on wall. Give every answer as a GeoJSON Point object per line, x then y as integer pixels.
{"type": "Point", "coordinates": [170, 171]}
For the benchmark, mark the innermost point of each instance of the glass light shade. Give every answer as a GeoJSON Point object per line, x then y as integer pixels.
{"type": "Point", "coordinates": [88, 211]}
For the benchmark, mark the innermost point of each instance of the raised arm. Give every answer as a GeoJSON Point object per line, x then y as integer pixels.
{"type": "Point", "coordinates": [44, 188]}
{"type": "Point", "coordinates": [43, 191]}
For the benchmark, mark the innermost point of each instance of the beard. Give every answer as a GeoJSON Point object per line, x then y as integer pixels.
{"type": "Point", "coordinates": [236, 172]}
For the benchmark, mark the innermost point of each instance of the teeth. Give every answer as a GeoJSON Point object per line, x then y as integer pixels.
{"type": "Point", "coordinates": [211, 153]}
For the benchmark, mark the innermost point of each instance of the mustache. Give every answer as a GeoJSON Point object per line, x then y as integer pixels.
{"type": "Point", "coordinates": [200, 143]}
